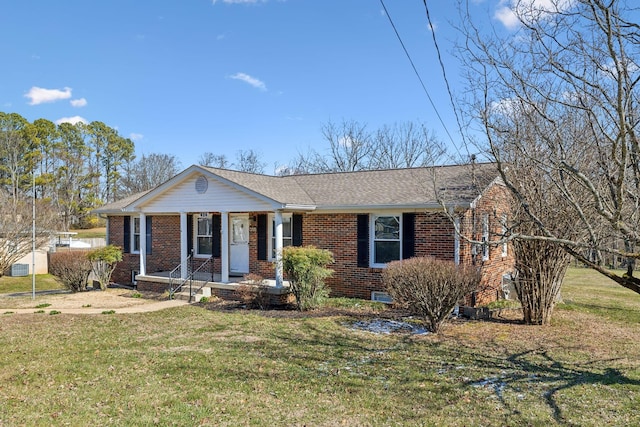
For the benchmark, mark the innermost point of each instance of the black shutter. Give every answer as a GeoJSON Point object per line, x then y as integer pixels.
{"type": "Point", "coordinates": [363, 240]}
{"type": "Point", "coordinates": [408, 235]}
{"type": "Point", "coordinates": [149, 226]}
{"type": "Point", "coordinates": [262, 237]}
{"type": "Point", "coordinates": [216, 223]}
{"type": "Point", "coordinates": [126, 244]}
{"type": "Point", "coordinates": [189, 234]}
{"type": "Point", "coordinates": [297, 229]}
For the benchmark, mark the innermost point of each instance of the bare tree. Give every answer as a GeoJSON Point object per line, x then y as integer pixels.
{"type": "Point", "coordinates": [16, 227]}
{"type": "Point", "coordinates": [405, 145]}
{"type": "Point", "coordinates": [571, 73]}
{"type": "Point", "coordinates": [249, 161]}
{"type": "Point", "coordinates": [149, 172]}
{"type": "Point", "coordinates": [214, 160]}
{"type": "Point", "coordinates": [352, 147]}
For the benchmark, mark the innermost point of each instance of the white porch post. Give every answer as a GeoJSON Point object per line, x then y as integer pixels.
{"type": "Point", "coordinates": [224, 258]}
{"type": "Point", "coordinates": [143, 244]}
{"type": "Point", "coordinates": [184, 245]}
{"type": "Point", "coordinates": [278, 225]}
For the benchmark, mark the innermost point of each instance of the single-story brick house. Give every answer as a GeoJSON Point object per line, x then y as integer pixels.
{"type": "Point", "coordinates": [237, 222]}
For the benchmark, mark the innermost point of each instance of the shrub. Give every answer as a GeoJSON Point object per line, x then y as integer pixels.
{"type": "Point", "coordinates": [254, 293]}
{"type": "Point", "coordinates": [429, 288]}
{"type": "Point", "coordinates": [72, 268]}
{"type": "Point", "coordinates": [306, 267]}
{"type": "Point", "coordinates": [103, 262]}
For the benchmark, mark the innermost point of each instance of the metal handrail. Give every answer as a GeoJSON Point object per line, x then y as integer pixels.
{"type": "Point", "coordinates": [208, 262]}
{"type": "Point", "coordinates": [191, 273]}
{"type": "Point", "coordinates": [173, 277]}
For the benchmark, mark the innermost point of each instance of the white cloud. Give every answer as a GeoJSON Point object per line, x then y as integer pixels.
{"type": "Point", "coordinates": [259, 84]}
{"type": "Point", "coordinates": [78, 102]}
{"type": "Point", "coordinates": [135, 136]}
{"type": "Point", "coordinates": [511, 12]}
{"type": "Point", "coordinates": [73, 120]}
{"type": "Point", "coordinates": [39, 95]}
{"type": "Point", "coordinates": [508, 17]}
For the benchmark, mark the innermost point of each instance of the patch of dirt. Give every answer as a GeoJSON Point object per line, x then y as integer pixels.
{"type": "Point", "coordinates": [112, 299]}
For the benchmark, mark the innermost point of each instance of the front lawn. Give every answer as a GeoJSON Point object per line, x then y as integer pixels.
{"type": "Point", "coordinates": [44, 282]}
{"type": "Point", "coordinates": [198, 366]}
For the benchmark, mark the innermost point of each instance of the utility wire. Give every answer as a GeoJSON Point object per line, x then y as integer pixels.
{"type": "Point", "coordinates": [444, 73]}
{"type": "Point", "coordinates": [415, 70]}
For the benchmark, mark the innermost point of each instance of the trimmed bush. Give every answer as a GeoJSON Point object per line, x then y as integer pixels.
{"type": "Point", "coordinates": [103, 262]}
{"type": "Point", "coordinates": [429, 288]}
{"type": "Point", "coordinates": [72, 268]}
{"type": "Point", "coordinates": [306, 268]}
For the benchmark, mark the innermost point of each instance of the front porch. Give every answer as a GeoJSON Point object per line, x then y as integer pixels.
{"type": "Point", "coordinates": [205, 284]}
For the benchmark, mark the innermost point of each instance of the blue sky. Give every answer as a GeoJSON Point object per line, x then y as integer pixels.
{"type": "Point", "coordinates": [191, 76]}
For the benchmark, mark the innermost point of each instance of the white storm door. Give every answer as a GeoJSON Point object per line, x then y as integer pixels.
{"type": "Point", "coordinates": [239, 244]}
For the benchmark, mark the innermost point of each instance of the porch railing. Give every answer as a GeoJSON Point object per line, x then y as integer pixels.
{"type": "Point", "coordinates": [177, 282]}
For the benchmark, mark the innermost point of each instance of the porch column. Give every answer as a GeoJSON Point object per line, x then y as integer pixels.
{"type": "Point", "coordinates": [224, 254]}
{"type": "Point", "coordinates": [184, 245]}
{"type": "Point", "coordinates": [143, 244]}
{"type": "Point", "coordinates": [278, 225]}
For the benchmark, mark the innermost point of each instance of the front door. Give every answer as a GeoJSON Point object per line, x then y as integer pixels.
{"type": "Point", "coordinates": [239, 245]}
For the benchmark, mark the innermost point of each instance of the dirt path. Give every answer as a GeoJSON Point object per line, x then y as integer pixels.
{"type": "Point", "coordinates": [94, 302]}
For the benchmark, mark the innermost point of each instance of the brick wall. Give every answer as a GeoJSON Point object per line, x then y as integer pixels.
{"type": "Point", "coordinates": [165, 247]}
{"type": "Point", "coordinates": [495, 204]}
{"type": "Point", "coordinates": [434, 236]}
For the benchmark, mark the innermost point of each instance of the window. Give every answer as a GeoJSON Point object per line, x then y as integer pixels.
{"type": "Point", "coordinates": [204, 234]}
{"type": "Point", "coordinates": [485, 237]}
{"type": "Point", "coordinates": [135, 235]}
{"type": "Point", "coordinates": [287, 233]}
{"type": "Point", "coordinates": [386, 239]}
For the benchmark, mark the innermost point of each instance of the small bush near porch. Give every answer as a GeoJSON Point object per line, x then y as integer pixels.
{"type": "Point", "coordinates": [284, 368]}
{"type": "Point", "coordinates": [306, 267]}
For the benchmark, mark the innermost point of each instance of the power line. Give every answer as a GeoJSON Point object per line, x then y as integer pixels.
{"type": "Point", "coordinates": [444, 73]}
{"type": "Point", "coordinates": [415, 70]}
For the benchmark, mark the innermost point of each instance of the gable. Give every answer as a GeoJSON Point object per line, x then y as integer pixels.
{"type": "Point", "coordinates": [201, 193]}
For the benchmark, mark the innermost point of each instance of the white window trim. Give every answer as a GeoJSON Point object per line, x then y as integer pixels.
{"type": "Point", "coordinates": [504, 235]}
{"type": "Point", "coordinates": [485, 237]}
{"type": "Point", "coordinates": [372, 237]}
{"type": "Point", "coordinates": [197, 254]}
{"type": "Point", "coordinates": [456, 240]}
{"type": "Point", "coordinates": [270, 232]}
{"type": "Point", "coordinates": [134, 234]}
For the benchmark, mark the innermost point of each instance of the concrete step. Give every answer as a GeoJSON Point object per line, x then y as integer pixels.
{"type": "Point", "coordinates": [184, 294]}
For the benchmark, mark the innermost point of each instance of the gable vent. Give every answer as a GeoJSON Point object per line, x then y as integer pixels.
{"type": "Point", "coordinates": [202, 184]}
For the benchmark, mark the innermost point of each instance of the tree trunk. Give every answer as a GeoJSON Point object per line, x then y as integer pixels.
{"type": "Point", "coordinates": [540, 268]}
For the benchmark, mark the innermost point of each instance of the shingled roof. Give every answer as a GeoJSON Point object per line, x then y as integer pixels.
{"type": "Point", "coordinates": [457, 185]}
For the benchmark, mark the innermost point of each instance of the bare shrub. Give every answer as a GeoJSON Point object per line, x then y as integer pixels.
{"type": "Point", "coordinates": [429, 288]}
{"type": "Point", "coordinates": [72, 268]}
{"type": "Point", "coordinates": [254, 293]}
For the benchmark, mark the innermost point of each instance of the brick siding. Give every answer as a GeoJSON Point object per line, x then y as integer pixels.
{"type": "Point", "coordinates": [434, 236]}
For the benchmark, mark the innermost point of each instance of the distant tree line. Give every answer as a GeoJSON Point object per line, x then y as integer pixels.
{"type": "Point", "coordinates": [78, 167]}
{"type": "Point", "coordinates": [73, 168]}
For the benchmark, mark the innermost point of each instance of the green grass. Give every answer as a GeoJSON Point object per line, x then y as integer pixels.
{"type": "Point", "coordinates": [44, 282]}
{"type": "Point", "coordinates": [90, 233]}
{"type": "Point", "coordinates": [587, 291]}
{"type": "Point", "coordinates": [193, 366]}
